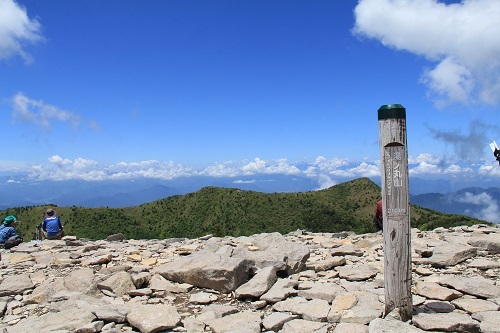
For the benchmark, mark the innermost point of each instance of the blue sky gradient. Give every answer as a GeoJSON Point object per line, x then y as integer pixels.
{"type": "Point", "coordinates": [164, 89]}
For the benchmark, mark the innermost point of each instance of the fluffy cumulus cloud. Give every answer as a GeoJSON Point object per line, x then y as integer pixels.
{"type": "Point", "coordinates": [280, 166]}
{"type": "Point", "coordinates": [25, 109]}
{"type": "Point", "coordinates": [90, 170]}
{"type": "Point", "coordinates": [323, 171]}
{"type": "Point", "coordinates": [460, 39]}
{"type": "Point", "coordinates": [488, 206]}
{"type": "Point", "coordinates": [17, 31]}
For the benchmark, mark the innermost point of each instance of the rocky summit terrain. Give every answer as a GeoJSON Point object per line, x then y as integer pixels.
{"type": "Point", "coordinates": [298, 282]}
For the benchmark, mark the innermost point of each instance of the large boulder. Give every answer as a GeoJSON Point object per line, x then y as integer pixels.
{"type": "Point", "coordinates": [207, 270]}
{"type": "Point", "coordinates": [272, 249]}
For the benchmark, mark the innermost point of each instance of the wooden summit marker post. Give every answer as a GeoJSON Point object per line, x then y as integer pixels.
{"type": "Point", "coordinates": [396, 210]}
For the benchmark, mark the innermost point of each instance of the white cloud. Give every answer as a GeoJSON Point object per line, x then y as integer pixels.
{"type": "Point", "coordinates": [244, 181]}
{"type": "Point", "coordinates": [425, 168]}
{"type": "Point", "coordinates": [324, 164]}
{"type": "Point", "coordinates": [491, 170]}
{"type": "Point", "coordinates": [326, 172]}
{"type": "Point", "coordinates": [362, 170]}
{"type": "Point", "coordinates": [280, 166]}
{"type": "Point", "coordinates": [59, 161]}
{"type": "Point", "coordinates": [451, 80]}
{"type": "Point", "coordinates": [226, 169]}
{"type": "Point", "coordinates": [425, 158]}
{"type": "Point", "coordinates": [460, 38]}
{"type": "Point", "coordinates": [255, 166]}
{"type": "Point", "coordinates": [16, 30]}
{"type": "Point", "coordinates": [489, 207]}
{"type": "Point", "coordinates": [325, 181]}
{"type": "Point", "coordinates": [40, 113]}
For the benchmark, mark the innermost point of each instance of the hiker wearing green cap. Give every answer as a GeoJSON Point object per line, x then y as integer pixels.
{"type": "Point", "coordinates": [8, 234]}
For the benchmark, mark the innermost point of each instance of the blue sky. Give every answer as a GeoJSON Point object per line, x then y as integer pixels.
{"type": "Point", "coordinates": [162, 89]}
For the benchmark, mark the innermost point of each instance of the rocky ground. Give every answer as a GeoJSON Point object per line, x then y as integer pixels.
{"type": "Point", "coordinates": [299, 282]}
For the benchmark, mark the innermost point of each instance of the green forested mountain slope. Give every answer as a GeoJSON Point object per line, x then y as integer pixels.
{"type": "Point", "coordinates": [232, 212]}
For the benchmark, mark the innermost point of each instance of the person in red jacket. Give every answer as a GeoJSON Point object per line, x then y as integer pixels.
{"type": "Point", "coordinates": [378, 219]}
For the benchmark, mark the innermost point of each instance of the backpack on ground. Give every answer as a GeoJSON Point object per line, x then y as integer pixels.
{"type": "Point", "coordinates": [13, 241]}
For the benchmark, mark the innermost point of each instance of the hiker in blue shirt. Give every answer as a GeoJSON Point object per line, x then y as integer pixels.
{"type": "Point", "coordinates": [8, 234]}
{"type": "Point", "coordinates": [51, 225]}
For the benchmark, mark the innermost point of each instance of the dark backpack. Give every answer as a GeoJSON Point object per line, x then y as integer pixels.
{"type": "Point", "coordinates": [13, 241]}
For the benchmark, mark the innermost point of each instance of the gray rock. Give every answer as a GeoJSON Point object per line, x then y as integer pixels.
{"type": "Point", "coordinates": [202, 298]}
{"type": "Point", "coordinates": [276, 320]}
{"type": "Point", "coordinates": [379, 325]}
{"type": "Point", "coordinates": [474, 285]}
{"type": "Point", "coordinates": [343, 301]}
{"type": "Point", "coordinates": [272, 249]}
{"type": "Point", "coordinates": [99, 260]}
{"type": "Point", "coordinates": [116, 238]}
{"type": "Point", "coordinates": [325, 264]}
{"type": "Point", "coordinates": [15, 284]}
{"type": "Point", "coordinates": [141, 279]}
{"type": "Point", "coordinates": [490, 243]}
{"type": "Point", "coordinates": [258, 284]}
{"type": "Point", "coordinates": [484, 264]}
{"type": "Point", "coordinates": [490, 321]}
{"type": "Point", "coordinates": [220, 309]}
{"type": "Point", "coordinates": [451, 254]}
{"type": "Point", "coordinates": [367, 308]}
{"type": "Point", "coordinates": [208, 270]}
{"type": "Point", "coordinates": [43, 292]}
{"type": "Point", "coordinates": [350, 328]}
{"type": "Point", "coordinates": [357, 273]}
{"type": "Point", "coordinates": [320, 290]}
{"type": "Point", "coordinates": [81, 280]}
{"type": "Point", "coordinates": [61, 288]}
{"type": "Point", "coordinates": [314, 310]}
{"type": "Point", "coordinates": [346, 250]}
{"type": "Point", "coordinates": [282, 289]}
{"type": "Point", "coordinates": [93, 327]}
{"type": "Point", "coordinates": [439, 307]}
{"type": "Point", "coordinates": [435, 291]}
{"type": "Point", "coordinates": [302, 326]}
{"type": "Point", "coordinates": [448, 322]}
{"type": "Point", "coordinates": [473, 305]}
{"type": "Point", "coordinates": [65, 320]}
{"type": "Point", "coordinates": [241, 322]}
{"type": "Point", "coordinates": [153, 318]}
{"type": "Point", "coordinates": [119, 284]}
{"type": "Point", "coordinates": [111, 313]}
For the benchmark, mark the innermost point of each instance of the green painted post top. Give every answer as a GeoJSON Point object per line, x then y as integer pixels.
{"type": "Point", "coordinates": [391, 111]}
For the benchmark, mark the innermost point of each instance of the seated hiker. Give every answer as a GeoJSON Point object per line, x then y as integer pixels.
{"type": "Point", "coordinates": [8, 234]}
{"type": "Point", "coordinates": [379, 217]}
{"type": "Point", "coordinates": [51, 225]}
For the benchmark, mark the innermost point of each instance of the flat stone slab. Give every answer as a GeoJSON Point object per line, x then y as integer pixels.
{"type": "Point", "coordinates": [357, 273]}
{"type": "Point", "coordinates": [448, 322]}
{"type": "Point", "coordinates": [450, 254]}
{"type": "Point", "coordinates": [475, 285]}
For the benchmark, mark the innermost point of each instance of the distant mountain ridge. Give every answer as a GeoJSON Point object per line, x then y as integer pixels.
{"type": "Point", "coordinates": [125, 193]}
{"type": "Point", "coordinates": [472, 201]}
{"type": "Point", "coordinates": [222, 212]}
{"type": "Point", "coordinates": [483, 203]}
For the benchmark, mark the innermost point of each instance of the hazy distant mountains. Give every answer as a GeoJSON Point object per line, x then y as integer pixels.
{"type": "Point", "coordinates": [440, 195]}
{"type": "Point", "coordinates": [472, 201]}
{"type": "Point", "coordinates": [125, 193]}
